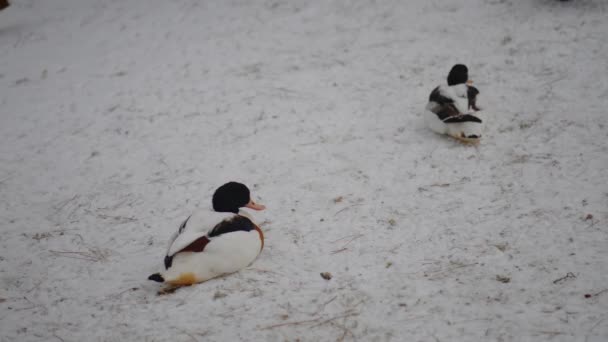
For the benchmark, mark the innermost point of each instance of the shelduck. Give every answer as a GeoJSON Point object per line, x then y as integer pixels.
{"type": "Point", "coordinates": [211, 243]}
{"type": "Point", "coordinates": [452, 109]}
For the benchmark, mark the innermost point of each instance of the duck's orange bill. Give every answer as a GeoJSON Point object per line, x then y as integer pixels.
{"type": "Point", "coordinates": [255, 206]}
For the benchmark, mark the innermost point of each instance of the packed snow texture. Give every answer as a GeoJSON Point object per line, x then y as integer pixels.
{"type": "Point", "coordinates": [120, 118]}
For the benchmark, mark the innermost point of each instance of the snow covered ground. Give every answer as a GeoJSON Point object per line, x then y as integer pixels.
{"type": "Point", "coordinates": [119, 118]}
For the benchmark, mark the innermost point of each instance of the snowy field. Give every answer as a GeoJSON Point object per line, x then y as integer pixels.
{"type": "Point", "coordinates": [120, 118]}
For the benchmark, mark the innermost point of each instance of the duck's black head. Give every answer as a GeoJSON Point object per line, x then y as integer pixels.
{"type": "Point", "coordinates": [458, 75]}
{"type": "Point", "coordinates": [231, 196]}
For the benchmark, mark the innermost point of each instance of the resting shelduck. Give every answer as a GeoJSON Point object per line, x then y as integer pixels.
{"type": "Point", "coordinates": [452, 108]}
{"type": "Point", "coordinates": [215, 242]}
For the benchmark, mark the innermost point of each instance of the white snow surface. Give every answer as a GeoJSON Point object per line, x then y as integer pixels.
{"type": "Point", "coordinates": [120, 118]}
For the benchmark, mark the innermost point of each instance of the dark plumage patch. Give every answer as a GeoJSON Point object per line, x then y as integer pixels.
{"type": "Point", "coordinates": [232, 225]}
{"type": "Point", "coordinates": [157, 277]}
{"type": "Point", "coordinates": [462, 118]}
{"type": "Point", "coordinates": [4, 4]}
{"type": "Point", "coordinates": [183, 225]}
{"type": "Point", "coordinates": [197, 245]}
{"type": "Point", "coordinates": [458, 74]}
{"type": "Point", "coordinates": [446, 111]}
{"type": "Point", "coordinates": [168, 261]}
{"type": "Point", "coordinates": [229, 197]}
{"type": "Point", "coordinates": [472, 93]}
{"type": "Point", "coordinates": [444, 106]}
{"type": "Point", "coordinates": [438, 98]}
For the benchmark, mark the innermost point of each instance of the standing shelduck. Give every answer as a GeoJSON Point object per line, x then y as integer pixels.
{"type": "Point", "coordinates": [214, 242]}
{"type": "Point", "coordinates": [452, 108]}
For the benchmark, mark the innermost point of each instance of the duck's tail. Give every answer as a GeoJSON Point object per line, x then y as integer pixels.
{"type": "Point", "coordinates": [157, 277]}
{"type": "Point", "coordinates": [462, 118]}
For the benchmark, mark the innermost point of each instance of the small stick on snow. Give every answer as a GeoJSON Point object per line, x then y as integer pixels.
{"type": "Point", "coordinates": [347, 236]}
{"type": "Point", "coordinates": [289, 323]}
{"type": "Point", "coordinates": [354, 237]}
{"type": "Point", "coordinates": [261, 270]}
{"type": "Point", "coordinates": [325, 304]}
{"type": "Point", "coordinates": [335, 318]}
{"type": "Point", "coordinates": [5, 179]}
{"type": "Point", "coordinates": [190, 335]}
{"type": "Point", "coordinates": [78, 255]}
{"type": "Point", "coordinates": [593, 327]}
{"type": "Point", "coordinates": [345, 333]}
{"type": "Point", "coordinates": [35, 287]}
{"type": "Point", "coordinates": [567, 276]}
{"type": "Point", "coordinates": [596, 294]}
{"type": "Point", "coordinates": [89, 256]}
{"type": "Point", "coordinates": [350, 206]}
{"type": "Point", "coordinates": [63, 203]}
{"type": "Point", "coordinates": [315, 320]}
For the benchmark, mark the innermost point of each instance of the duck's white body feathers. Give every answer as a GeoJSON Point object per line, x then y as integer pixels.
{"type": "Point", "coordinates": [197, 225]}
{"type": "Point", "coordinates": [221, 254]}
{"type": "Point", "coordinates": [224, 254]}
{"type": "Point", "coordinates": [456, 129]}
{"type": "Point", "coordinates": [460, 130]}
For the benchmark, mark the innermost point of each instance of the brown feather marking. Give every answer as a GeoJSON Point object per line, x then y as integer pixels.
{"type": "Point", "coordinates": [261, 236]}
{"type": "Point", "coordinates": [197, 245]}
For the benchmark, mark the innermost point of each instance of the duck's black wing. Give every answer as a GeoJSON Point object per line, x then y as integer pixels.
{"type": "Point", "coordinates": [462, 118]}
{"type": "Point", "coordinates": [443, 106]}
{"type": "Point", "coordinates": [233, 224]}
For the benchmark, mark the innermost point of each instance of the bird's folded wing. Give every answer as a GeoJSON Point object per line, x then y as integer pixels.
{"type": "Point", "coordinates": [183, 240]}
{"type": "Point", "coordinates": [462, 118]}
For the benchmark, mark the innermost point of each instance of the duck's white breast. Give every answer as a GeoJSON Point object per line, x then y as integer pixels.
{"type": "Point", "coordinates": [226, 253]}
